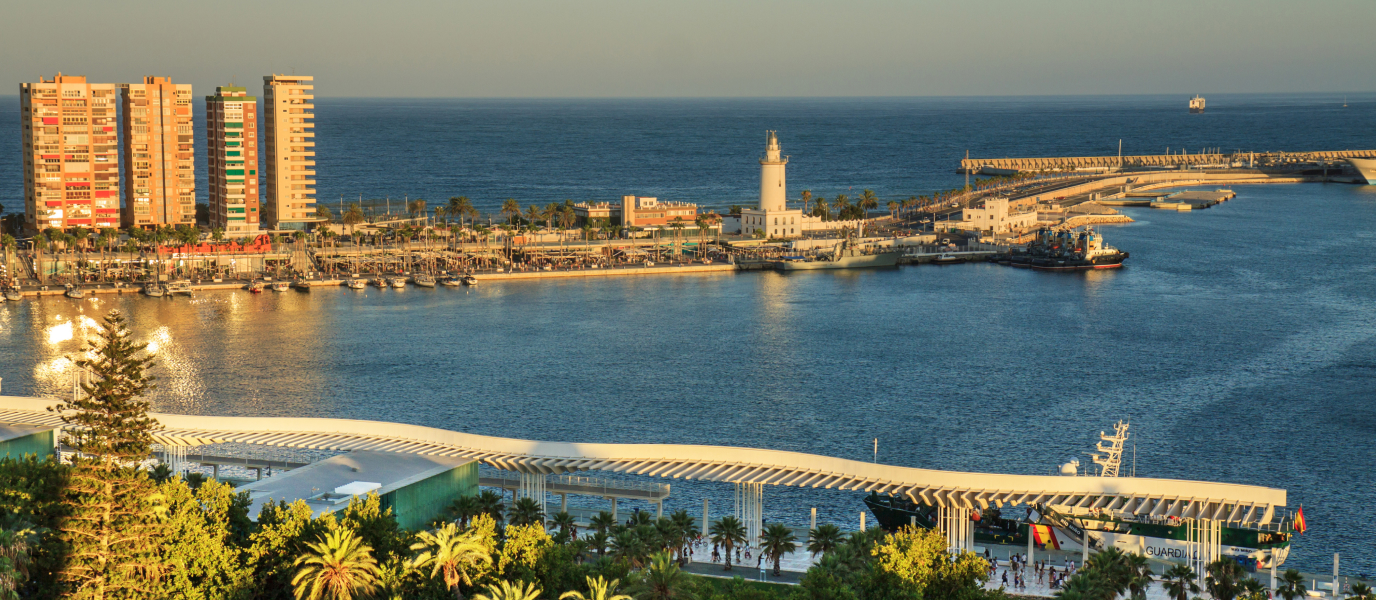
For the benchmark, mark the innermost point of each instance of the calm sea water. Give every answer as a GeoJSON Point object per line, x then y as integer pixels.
{"type": "Point", "coordinates": [1240, 341]}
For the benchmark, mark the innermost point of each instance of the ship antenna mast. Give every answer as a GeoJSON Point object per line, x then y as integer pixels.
{"type": "Point", "coordinates": [1112, 455]}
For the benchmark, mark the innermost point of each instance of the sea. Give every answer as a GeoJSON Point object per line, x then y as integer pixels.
{"type": "Point", "coordinates": [1238, 341]}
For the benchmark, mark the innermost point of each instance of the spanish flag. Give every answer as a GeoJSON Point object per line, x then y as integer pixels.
{"type": "Point", "coordinates": [1045, 536]}
{"type": "Point", "coordinates": [1299, 525]}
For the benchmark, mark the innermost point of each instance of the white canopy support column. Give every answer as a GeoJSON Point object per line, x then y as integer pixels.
{"type": "Point", "coordinates": [533, 486]}
{"type": "Point", "coordinates": [954, 523]}
{"type": "Point", "coordinates": [750, 509]}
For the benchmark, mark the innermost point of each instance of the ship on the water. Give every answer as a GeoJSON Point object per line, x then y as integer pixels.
{"type": "Point", "coordinates": [1065, 250]}
{"type": "Point", "coordinates": [844, 256]}
{"type": "Point", "coordinates": [1064, 527]}
{"type": "Point", "coordinates": [1365, 166]}
{"type": "Point", "coordinates": [1196, 104]}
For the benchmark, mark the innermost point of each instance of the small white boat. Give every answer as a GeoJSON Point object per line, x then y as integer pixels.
{"type": "Point", "coordinates": [154, 290]}
{"type": "Point", "coordinates": [470, 280]}
{"type": "Point", "coordinates": [356, 284]}
{"type": "Point", "coordinates": [75, 292]}
{"type": "Point", "coordinates": [380, 282]}
{"type": "Point", "coordinates": [179, 287]}
{"type": "Point", "coordinates": [398, 282]}
{"type": "Point", "coordinates": [255, 287]}
{"type": "Point", "coordinates": [13, 295]}
{"type": "Point", "coordinates": [548, 268]}
{"type": "Point", "coordinates": [424, 280]}
{"type": "Point", "coordinates": [302, 285]}
{"type": "Point", "coordinates": [451, 281]}
{"type": "Point", "coordinates": [281, 286]}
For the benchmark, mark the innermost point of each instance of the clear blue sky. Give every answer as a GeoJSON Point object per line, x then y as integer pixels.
{"type": "Point", "coordinates": [647, 48]}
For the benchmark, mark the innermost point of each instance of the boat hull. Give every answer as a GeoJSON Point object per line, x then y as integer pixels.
{"type": "Point", "coordinates": [864, 261]}
{"type": "Point", "coordinates": [1365, 166]}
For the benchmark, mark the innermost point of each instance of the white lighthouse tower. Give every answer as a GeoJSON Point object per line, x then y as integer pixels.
{"type": "Point", "coordinates": [772, 219]}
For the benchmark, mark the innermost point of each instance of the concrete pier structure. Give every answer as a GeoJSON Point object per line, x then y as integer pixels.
{"type": "Point", "coordinates": [1240, 159]}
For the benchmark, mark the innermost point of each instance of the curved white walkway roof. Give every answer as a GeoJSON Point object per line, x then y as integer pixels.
{"type": "Point", "coordinates": [1243, 504]}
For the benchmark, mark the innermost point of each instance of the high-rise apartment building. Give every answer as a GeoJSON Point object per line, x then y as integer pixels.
{"type": "Point", "coordinates": [159, 153]}
{"type": "Point", "coordinates": [289, 139]}
{"type": "Point", "coordinates": [231, 125]}
{"type": "Point", "coordinates": [71, 169]}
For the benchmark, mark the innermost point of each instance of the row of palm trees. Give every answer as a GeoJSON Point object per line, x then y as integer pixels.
{"type": "Point", "coordinates": [1113, 573]}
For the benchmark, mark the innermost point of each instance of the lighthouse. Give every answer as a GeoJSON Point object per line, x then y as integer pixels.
{"type": "Point", "coordinates": [772, 219]}
{"type": "Point", "coordinates": [773, 196]}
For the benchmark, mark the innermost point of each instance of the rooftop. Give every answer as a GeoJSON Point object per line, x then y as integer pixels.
{"type": "Point", "coordinates": [328, 485]}
{"type": "Point", "coordinates": [11, 432]}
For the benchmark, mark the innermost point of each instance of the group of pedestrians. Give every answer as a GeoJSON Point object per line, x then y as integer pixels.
{"type": "Point", "coordinates": [1017, 570]}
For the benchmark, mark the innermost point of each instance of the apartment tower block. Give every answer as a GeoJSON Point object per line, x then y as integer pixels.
{"type": "Point", "coordinates": [231, 124]}
{"type": "Point", "coordinates": [159, 153]}
{"type": "Point", "coordinates": [71, 169]}
{"type": "Point", "coordinates": [289, 107]}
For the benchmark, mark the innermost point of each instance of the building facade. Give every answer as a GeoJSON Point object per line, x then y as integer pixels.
{"type": "Point", "coordinates": [231, 124]}
{"type": "Point", "coordinates": [640, 211]}
{"type": "Point", "coordinates": [289, 145]}
{"type": "Point", "coordinates": [71, 165]}
{"type": "Point", "coordinates": [772, 218]}
{"type": "Point", "coordinates": [159, 149]}
{"type": "Point", "coordinates": [997, 216]}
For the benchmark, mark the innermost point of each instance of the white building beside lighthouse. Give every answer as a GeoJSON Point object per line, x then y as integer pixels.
{"type": "Point", "coordinates": [773, 217]}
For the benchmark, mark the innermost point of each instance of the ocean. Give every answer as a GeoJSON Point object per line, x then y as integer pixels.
{"type": "Point", "coordinates": [1239, 340]}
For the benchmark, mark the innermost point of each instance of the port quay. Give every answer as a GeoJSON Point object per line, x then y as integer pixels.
{"type": "Point", "coordinates": [444, 464]}
{"type": "Point", "coordinates": [1029, 198]}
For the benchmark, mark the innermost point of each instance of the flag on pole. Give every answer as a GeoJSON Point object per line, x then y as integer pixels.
{"type": "Point", "coordinates": [1045, 536]}
{"type": "Point", "coordinates": [1299, 525]}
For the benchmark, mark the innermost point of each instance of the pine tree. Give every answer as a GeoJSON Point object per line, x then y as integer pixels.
{"type": "Point", "coordinates": [110, 531]}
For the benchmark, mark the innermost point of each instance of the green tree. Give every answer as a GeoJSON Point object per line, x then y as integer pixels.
{"type": "Point", "coordinates": [1360, 591]}
{"type": "Point", "coordinates": [415, 207]}
{"type": "Point", "coordinates": [205, 533]}
{"type": "Point", "coordinates": [727, 532]}
{"type": "Point", "coordinates": [324, 213]}
{"type": "Point", "coordinates": [564, 521]}
{"type": "Point", "coordinates": [465, 508]}
{"type": "Point", "coordinates": [506, 590]}
{"type": "Point", "coordinates": [457, 557]}
{"type": "Point", "coordinates": [110, 532]}
{"type": "Point", "coordinates": [1291, 586]}
{"type": "Point", "coordinates": [825, 538]}
{"type": "Point", "coordinates": [511, 209]}
{"type": "Point", "coordinates": [918, 558]}
{"type": "Point", "coordinates": [525, 511]}
{"type": "Point", "coordinates": [662, 580]}
{"type": "Point", "coordinates": [1224, 579]}
{"type": "Point", "coordinates": [868, 201]}
{"type": "Point", "coordinates": [603, 521]}
{"type": "Point", "coordinates": [352, 216]}
{"type": "Point", "coordinates": [775, 541]}
{"type": "Point", "coordinates": [338, 567]}
{"type": "Point", "coordinates": [598, 589]}
{"type": "Point", "coordinates": [1179, 582]}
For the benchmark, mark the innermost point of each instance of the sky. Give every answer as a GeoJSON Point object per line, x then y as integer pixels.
{"type": "Point", "coordinates": [705, 48]}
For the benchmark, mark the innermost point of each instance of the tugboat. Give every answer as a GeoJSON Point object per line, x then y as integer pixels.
{"type": "Point", "coordinates": [1196, 104]}
{"type": "Point", "coordinates": [1066, 251]}
{"type": "Point", "coordinates": [1162, 537]}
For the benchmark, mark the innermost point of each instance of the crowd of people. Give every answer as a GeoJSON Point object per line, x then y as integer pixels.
{"type": "Point", "coordinates": [1016, 570]}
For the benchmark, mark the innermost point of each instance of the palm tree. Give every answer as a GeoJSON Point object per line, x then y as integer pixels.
{"type": "Point", "coordinates": [416, 207]}
{"type": "Point", "coordinates": [564, 521]}
{"type": "Point", "coordinates": [456, 555]}
{"type": "Point", "coordinates": [868, 201]}
{"type": "Point", "coordinates": [1179, 582]}
{"type": "Point", "coordinates": [598, 589]}
{"type": "Point", "coordinates": [821, 209]}
{"type": "Point", "coordinates": [629, 546]}
{"type": "Point", "coordinates": [1254, 590]}
{"type": "Point", "coordinates": [352, 216]}
{"type": "Point", "coordinates": [1139, 575]}
{"type": "Point", "coordinates": [894, 205]}
{"type": "Point", "coordinates": [825, 538]}
{"type": "Point", "coordinates": [1291, 585]}
{"type": "Point", "coordinates": [339, 567]}
{"type": "Point", "coordinates": [727, 532]}
{"type": "Point", "coordinates": [662, 580]}
{"type": "Point", "coordinates": [807, 198]}
{"type": "Point", "coordinates": [1360, 591]}
{"type": "Point", "coordinates": [510, 591]}
{"type": "Point", "coordinates": [1224, 579]}
{"type": "Point", "coordinates": [599, 541]}
{"type": "Point", "coordinates": [490, 503]}
{"type": "Point", "coordinates": [603, 522]}
{"type": "Point", "coordinates": [775, 541]}
{"type": "Point", "coordinates": [525, 511]}
{"type": "Point", "coordinates": [684, 524]}
{"type": "Point", "coordinates": [511, 208]}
